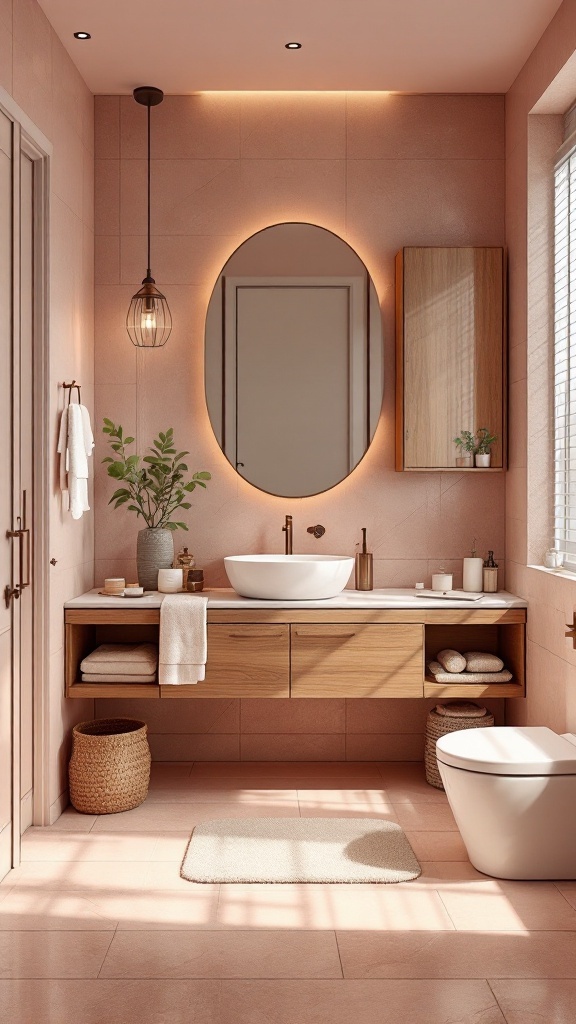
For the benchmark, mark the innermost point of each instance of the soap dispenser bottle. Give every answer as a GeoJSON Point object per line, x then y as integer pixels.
{"type": "Point", "coordinates": [490, 575]}
{"type": "Point", "coordinates": [363, 566]}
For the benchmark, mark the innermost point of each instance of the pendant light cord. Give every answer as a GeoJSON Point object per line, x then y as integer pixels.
{"type": "Point", "coordinates": [149, 274]}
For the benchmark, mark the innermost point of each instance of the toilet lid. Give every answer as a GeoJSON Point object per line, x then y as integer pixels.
{"type": "Point", "coordinates": [508, 750]}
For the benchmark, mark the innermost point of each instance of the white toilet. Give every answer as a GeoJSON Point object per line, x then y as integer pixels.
{"type": "Point", "coordinates": [513, 794]}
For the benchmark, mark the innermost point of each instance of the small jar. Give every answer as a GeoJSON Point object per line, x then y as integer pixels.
{"type": "Point", "coordinates": [169, 581]}
{"type": "Point", "coordinates": [553, 559]}
{"type": "Point", "coordinates": [195, 581]}
{"type": "Point", "coordinates": [442, 581]}
{"type": "Point", "coordinates": [185, 561]}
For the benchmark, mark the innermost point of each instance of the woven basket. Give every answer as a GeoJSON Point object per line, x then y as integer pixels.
{"type": "Point", "coordinates": [460, 715]}
{"type": "Point", "coordinates": [109, 770]}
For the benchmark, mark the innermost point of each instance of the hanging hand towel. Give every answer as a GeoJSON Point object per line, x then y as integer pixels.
{"type": "Point", "coordinates": [182, 655]}
{"type": "Point", "coordinates": [75, 444]}
{"type": "Point", "coordinates": [63, 452]}
{"type": "Point", "coordinates": [87, 434]}
{"type": "Point", "coordinates": [77, 463]}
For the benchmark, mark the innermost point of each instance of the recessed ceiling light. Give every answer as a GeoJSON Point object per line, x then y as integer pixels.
{"type": "Point", "coordinates": [82, 35]}
{"type": "Point", "coordinates": [293, 46]}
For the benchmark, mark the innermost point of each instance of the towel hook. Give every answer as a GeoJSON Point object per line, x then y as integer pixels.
{"type": "Point", "coordinates": [70, 388]}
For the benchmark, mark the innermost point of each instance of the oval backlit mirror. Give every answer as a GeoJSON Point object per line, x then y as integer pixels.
{"type": "Point", "coordinates": [294, 359]}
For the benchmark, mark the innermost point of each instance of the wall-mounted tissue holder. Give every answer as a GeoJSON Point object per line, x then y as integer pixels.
{"type": "Point", "coordinates": [572, 630]}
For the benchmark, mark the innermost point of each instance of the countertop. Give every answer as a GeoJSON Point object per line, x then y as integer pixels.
{"type": "Point", "coordinates": [348, 599]}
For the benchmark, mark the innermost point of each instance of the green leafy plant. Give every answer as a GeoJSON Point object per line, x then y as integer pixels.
{"type": "Point", "coordinates": [154, 484]}
{"type": "Point", "coordinates": [465, 442]}
{"type": "Point", "coordinates": [484, 441]}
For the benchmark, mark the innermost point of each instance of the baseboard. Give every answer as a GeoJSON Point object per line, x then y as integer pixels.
{"type": "Point", "coordinates": [59, 806]}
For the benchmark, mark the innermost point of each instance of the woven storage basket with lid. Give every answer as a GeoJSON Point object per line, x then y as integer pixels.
{"type": "Point", "coordinates": [445, 718]}
{"type": "Point", "coordinates": [109, 770]}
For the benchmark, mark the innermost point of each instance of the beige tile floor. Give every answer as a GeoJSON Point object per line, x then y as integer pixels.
{"type": "Point", "coordinates": [97, 927]}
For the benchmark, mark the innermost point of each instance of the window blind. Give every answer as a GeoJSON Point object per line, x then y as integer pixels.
{"type": "Point", "coordinates": [565, 357]}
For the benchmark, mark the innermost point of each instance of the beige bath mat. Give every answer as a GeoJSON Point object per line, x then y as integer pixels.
{"type": "Point", "coordinates": [299, 850]}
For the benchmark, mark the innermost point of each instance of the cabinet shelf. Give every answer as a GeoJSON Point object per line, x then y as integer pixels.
{"type": "Point", "coordinates": [454, 469]}
{"type": "Point", "coordinates": [98, 690]}
{"type": "Point", "coordinates": [471, 690]}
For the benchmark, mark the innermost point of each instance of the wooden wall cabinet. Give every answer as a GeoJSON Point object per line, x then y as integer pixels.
{"type": "Point", "coordinates": [450, 353]}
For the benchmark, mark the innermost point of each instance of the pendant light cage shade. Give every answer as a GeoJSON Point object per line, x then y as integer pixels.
{"type": "Point", "coordinates": [149, 321]}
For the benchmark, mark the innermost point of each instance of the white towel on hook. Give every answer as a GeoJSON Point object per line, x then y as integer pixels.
{"type": "Point", "coordinates": [63, 452]}
{"type": "Point", "coordinates": [75, 444]}
{"type": "Point", "coordinates": [182, 651]}
{"type": "Point", "coordinates": [77, 458]}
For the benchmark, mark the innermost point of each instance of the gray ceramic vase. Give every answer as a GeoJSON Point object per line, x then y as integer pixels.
{"type": "Point", "coordinates": [155, 550]}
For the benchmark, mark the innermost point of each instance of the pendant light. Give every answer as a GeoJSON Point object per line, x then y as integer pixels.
{"type": "Point", "coordinates": [149, 320]}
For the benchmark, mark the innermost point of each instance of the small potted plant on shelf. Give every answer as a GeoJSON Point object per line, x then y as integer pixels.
{"type": "Point", "coordinates": [155, 487]}
{"type": "Point", "coordinates": [466, 445]}
{"type": "Point", "coordinates": [484, 441]}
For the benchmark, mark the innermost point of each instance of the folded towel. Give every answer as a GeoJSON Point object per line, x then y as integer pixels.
{"type": "Point", "coordinates": [118, 677]}
{"type": "Point", "coordinates": [452, 661]}
{"type": "Point", "coordinates": [440, 676]}
{"type": "Point", "coordinates": [479, 661]}
{"type": "Point", "coordinates": [182, 639]}
{"type": "Point", "coordinates": [119, 670]}
{"type": "Point", "coordinates": [129, 659]}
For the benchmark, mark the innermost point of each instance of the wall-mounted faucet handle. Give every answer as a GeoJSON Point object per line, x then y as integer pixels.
{"type": "Point", "coordinates": [317, 530]}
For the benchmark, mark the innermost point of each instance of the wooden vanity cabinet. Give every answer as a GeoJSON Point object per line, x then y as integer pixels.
{"type": "Point", "coordinates": [244, 660]}
{"type": "Point", "coordinates": [450, 353]}
{"type": "Point", "coordinates": [304, 653]}
{"type": "Point", "coordinates": [356, 659]}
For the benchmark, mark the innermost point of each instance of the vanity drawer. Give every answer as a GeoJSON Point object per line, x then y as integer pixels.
{"type": "Point", "coordinates": [357, 660]}
{"type": "Point", "coordinates": [243, 661]}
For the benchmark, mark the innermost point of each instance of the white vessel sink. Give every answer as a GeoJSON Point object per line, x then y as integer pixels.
{"type": "Point", "coordinates": [289, 577]}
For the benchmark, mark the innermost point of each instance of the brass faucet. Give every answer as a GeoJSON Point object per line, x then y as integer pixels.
{"type": "Point", "coordinates": [287, 529]}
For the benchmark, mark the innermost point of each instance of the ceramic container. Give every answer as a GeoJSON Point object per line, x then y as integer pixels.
{"type": "Point", "coordinates": [114, 586]}
{"type": "Point", "coordinates": [155, 550]}
{"type": "Point", "coordinates": [442, 581]}
{"type": "Point", "coordinates": [169, 581]}
{"type": "Point", "coordinates": [472, 575]}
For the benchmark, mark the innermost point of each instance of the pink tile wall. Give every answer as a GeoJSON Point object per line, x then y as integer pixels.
{"type": "Point", "coordinates": [283, 730]}
{"type": "Point", "coordinates": [532, 140]}
{"type": "Point", "coordinates": [381, 171]}
{"type": "Point", "coordinates": [39, 75]}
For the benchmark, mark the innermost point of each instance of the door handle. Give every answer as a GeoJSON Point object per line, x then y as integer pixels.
{"type": "Point", "coordinates": [22, 534]}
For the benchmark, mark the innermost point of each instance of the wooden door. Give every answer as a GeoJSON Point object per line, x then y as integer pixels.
{"type": "Point", "coordinates": [24, 484]}
{"type": "Point", "coordinates": [6, 419]}
{"type": "Point", "coordinates": [21, 226]}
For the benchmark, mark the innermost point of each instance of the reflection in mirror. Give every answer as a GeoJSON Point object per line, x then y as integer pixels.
{"type": "Point", "coordinates": [294, 360]}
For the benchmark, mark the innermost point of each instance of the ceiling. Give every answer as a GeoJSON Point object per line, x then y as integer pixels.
{"type": "Point", "coordinates": [185, 46]}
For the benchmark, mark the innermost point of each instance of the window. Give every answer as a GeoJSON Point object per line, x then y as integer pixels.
{"type": "Point", "coordinates": [565, 348]}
